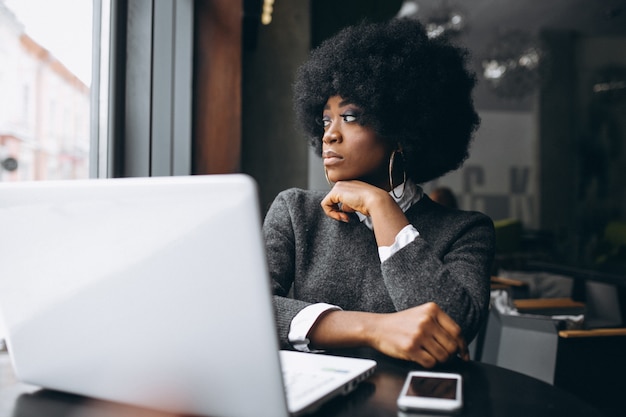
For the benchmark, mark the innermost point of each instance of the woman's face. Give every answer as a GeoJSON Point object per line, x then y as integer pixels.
{"type": "Point", "coordinates": [350, 150]}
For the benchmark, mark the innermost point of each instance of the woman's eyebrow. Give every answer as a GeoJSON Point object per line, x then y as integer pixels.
{"type": "Point", "coordinates": [343, 103]}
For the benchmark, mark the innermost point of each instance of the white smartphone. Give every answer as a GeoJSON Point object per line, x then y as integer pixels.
{"type": "Point", "coordinates": [432, 391]}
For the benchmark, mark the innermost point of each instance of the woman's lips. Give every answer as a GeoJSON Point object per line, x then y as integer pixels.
{"type": "Point", "coordinates": [331, 158]}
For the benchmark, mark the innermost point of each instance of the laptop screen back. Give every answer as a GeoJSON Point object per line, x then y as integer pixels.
{"type": "Point", "coordinates": [119, 288]}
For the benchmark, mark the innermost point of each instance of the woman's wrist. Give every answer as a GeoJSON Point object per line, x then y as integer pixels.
{"type": "Point", "coordinates": [388, 220]}
{"type": "Point", "coordinates": [344, 329]}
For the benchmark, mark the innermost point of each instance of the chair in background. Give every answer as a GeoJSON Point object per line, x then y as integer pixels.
{"type": "Point", "coordinates": [587, 363]}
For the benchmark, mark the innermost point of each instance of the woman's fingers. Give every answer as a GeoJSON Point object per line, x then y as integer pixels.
{"type": "Point", "coordinates": [334, 209]}
{"type": "Point", "coordinates": [347, 197]}
{"type": "Point", "coordinates": [453, 339]}
{"type": "Point", "coordinates": [426, 335]}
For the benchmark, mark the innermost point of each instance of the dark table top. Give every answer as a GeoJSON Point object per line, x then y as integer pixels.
{"type": "Point", "coordinates": [489, 391]}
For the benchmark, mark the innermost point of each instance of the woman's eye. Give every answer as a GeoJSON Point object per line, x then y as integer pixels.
{"type": "Point", "coordinates": [325, 121]}
{"type": "Point", "coordinates": [349, 118]}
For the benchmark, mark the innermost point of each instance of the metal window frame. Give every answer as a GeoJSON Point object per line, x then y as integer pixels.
{"type": "Point", "coordinates": [141, 116]}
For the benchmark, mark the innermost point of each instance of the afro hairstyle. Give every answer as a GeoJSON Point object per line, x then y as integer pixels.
{"type": "Point", "coordinates": [415, 92]}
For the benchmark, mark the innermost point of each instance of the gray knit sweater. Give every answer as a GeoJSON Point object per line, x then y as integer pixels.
{"type": "Point", "coordinates": [313, 258]}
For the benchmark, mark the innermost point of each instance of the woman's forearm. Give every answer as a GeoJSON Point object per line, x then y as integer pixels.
{"type": "Point", "coordinates": [424, 334]}
{"type": "Point", "coordinates": [343, 329]}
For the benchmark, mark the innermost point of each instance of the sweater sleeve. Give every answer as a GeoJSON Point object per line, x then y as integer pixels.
{"type": "Point", "coordinates": [280, 250]}
{"type": "Point", "coordinates": [449, 265]}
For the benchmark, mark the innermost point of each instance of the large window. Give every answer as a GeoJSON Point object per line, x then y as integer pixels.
{"type": "Point", "coordinates": [110, 88]}
{"type": "Point", "coordinates": [45, 77]}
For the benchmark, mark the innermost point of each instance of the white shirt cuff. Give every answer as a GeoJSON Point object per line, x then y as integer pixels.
{"type": "Point", "coordinates": [403, 238]}
{"type": "Point", "coordinates": [302, 323]}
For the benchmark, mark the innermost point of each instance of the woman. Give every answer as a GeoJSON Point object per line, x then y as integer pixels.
{"type": "Point", "coordinates": [374, 262]}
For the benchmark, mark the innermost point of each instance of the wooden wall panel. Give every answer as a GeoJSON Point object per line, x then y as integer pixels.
{"type": "Point", "coordinates": [217, 86]}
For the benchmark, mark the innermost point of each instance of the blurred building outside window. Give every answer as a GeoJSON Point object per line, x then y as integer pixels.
{"type": "Point", "coordinates": [45, 71]}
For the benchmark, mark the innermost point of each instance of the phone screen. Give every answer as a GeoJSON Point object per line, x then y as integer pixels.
{"type": "Point", "coordinates": [432, 387]}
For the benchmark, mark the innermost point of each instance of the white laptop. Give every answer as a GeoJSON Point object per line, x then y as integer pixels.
{"type": "Point", "coordinates": [152, 292]}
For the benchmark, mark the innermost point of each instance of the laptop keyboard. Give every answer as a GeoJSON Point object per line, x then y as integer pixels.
{"type": "Point", "coordinates": [300, 384]}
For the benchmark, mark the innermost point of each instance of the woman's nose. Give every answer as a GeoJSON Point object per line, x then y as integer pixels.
{"type": "Point", "coordinates": [332, 135]}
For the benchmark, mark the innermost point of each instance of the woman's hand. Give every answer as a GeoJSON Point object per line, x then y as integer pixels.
{"type": "Point", "coordinates": [350, 196]}
{"type": "Point", "coordinates": [422, 334]}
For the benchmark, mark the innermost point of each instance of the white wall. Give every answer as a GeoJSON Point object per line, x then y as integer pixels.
{"type": "Point", "coordinates": [500, 176]}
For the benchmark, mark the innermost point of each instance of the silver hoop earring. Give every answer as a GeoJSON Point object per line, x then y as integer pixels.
{"type": "Point", "coordinates": [327, 179]}
{"type": "Point", "coordinates": [391, 161]}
